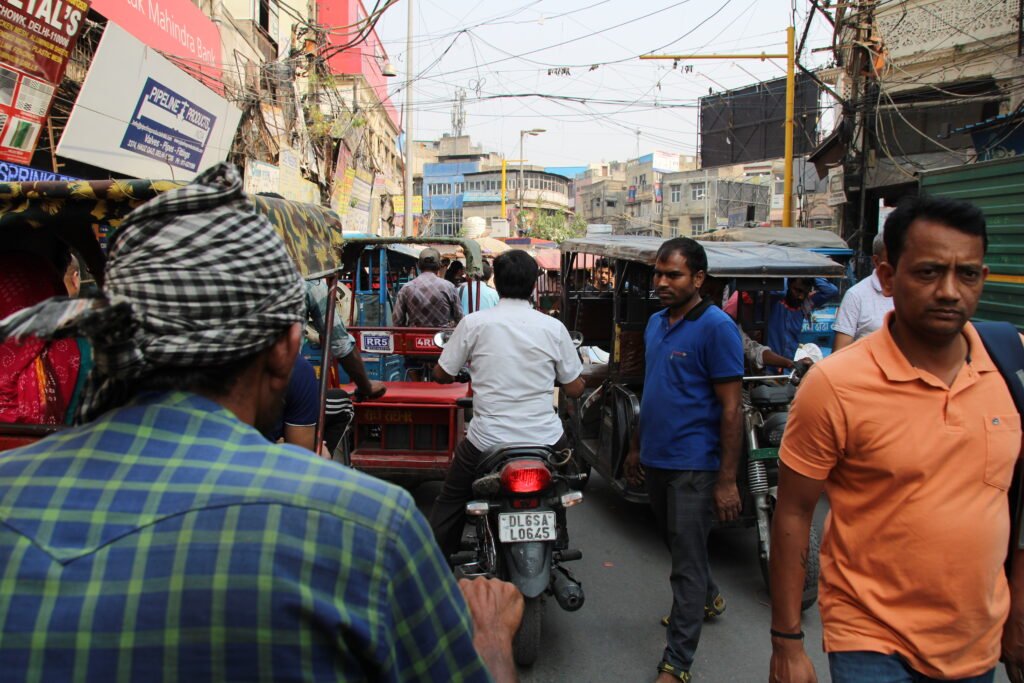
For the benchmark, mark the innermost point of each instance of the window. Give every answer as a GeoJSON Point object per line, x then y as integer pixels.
{"type": "Point", "coordinates": [447, 222]}
{"type": "Point", "coordinates": [697, 225]}
{"type": "Point", "coordinates": [673, 227]}
{"type": "Point", "coordinates": [610, 203]}
{"type": "Point", "coordinates": [675, 193]}
{"type": "Point", "coordinates": [780, 185]}
{"type": "Point", "coordinates": [697, 191]}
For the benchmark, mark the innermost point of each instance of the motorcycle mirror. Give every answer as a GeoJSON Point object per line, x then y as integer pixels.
{"type": "Point", "coordinates": [577, 338]}
{"type": "Point", "coordinates": [442, 337]}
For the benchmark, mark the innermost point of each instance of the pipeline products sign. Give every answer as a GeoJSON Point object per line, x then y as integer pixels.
{"type": "Point", "coordinates": [36, 40]}
{"type": "Point", "coordinates": [168, 127]}
{"type": "Point", "coordinates": [152, 120]}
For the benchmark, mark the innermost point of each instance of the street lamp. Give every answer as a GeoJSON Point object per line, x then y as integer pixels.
{"type": "Point", "coordinates": [523, 134]}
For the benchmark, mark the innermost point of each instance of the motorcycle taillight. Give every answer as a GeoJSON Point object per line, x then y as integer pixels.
{"type": "Point", "coordinates": [525, 476]}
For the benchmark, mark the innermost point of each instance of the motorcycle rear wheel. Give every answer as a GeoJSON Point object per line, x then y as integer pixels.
{"type": "Point", "coordinates": [810, 594]}
{"type": "Point", "coordinates": [526, 644]}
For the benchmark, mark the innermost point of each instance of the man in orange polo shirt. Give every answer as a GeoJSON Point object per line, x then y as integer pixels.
{"type": "Point", "coordinates": [913, 435]}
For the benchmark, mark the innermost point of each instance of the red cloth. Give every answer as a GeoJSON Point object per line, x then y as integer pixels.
{"type": "Point", "coordinates": [37, 378]}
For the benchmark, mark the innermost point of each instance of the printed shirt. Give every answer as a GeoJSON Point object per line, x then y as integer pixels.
{"type": "Point", "coordinates": [169, 541]}
{"type": "Point", "coordinates": [863, 309]}
{"type": "Point", "coordinates": [427, 301]}
{"type": "Point", "coordinates": [680, 416]}
{"type": "Point", "coordinates": [516, 355]}
{"type": "Point", "coordinates": [342, 342]}
{"type": "Point", "coordinates": [917, 475]}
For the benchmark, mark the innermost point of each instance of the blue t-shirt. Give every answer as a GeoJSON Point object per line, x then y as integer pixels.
{"type": "Point", "coordinates": [680, 416]}
{"type": "Point", "coordinates": [488, 297]}
{"type": "Point", "coordinates": [301, 400]}
{"type": "Point", "coordinates": [785, 323]}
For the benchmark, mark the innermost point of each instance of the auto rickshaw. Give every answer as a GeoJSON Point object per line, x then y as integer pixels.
{"type": "Point", "coordinates": [410, 434]}
{"type": "Point", "coordinates": [600, 424]}
{"type": "Point", "coordinates": [83, 213]}
{"type": "Point", "coordinates": [818, 326]}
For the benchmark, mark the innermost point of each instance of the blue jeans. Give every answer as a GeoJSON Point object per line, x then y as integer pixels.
{"type": "Point", "coordinates": [874, 667]}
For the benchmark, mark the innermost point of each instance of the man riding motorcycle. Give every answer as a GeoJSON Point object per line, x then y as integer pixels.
{"type": "Point", "coordinates": [517, 355]}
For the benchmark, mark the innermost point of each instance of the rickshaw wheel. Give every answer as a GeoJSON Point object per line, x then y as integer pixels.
{"type": "Point", "coordinates": [526, 644]}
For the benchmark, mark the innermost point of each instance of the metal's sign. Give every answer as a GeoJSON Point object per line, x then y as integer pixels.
{"type": "Point", "coordinates": [36, 40]}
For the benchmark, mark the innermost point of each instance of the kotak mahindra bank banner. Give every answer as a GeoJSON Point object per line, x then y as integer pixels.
{"type": "Point", "coordinates": [176, 28]}
{"type": "Point", "coordinates": [36, 40]}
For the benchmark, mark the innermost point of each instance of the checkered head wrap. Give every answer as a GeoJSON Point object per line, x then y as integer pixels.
{"type": "Point", "coordinates": [195, 278]}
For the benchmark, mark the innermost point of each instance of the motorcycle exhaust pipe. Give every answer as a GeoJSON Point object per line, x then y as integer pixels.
{"type": "Point", "coordinates": [568, 592]}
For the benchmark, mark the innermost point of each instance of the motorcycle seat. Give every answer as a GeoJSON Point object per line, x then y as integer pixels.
{"type": "Point", "coordinates": [774, 396]}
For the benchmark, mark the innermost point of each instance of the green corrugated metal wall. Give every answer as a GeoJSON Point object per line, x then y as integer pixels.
{"type": "Point", "coordinates": [998, 188]}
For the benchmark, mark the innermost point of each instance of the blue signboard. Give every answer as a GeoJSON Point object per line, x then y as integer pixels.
{"type": "Point", "coordinates": [15, 173]}
{"type": "Point", "coordinates": [168, 127]}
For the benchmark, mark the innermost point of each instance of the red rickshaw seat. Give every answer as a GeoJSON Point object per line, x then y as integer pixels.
{"type": "Point", "coordinates": [430, 393]}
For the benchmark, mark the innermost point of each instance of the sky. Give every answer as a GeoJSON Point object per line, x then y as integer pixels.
{"type": "Point", "coordinates": [510, 57]}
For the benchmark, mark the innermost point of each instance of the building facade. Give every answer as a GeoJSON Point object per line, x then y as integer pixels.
{"type": "Point", "coordinates": [462, 180]}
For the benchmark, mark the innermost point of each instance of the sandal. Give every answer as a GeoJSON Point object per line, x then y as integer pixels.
{"type": "Point", "coordinates": [667, 668]}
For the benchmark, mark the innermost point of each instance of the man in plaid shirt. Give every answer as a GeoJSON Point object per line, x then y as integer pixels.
{"type": "Point", "coordinates": [429, 300]}
{"type": "Point", "coordinates": [167, 540]}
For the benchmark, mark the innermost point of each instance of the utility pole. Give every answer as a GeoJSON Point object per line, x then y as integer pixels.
{"type": "Point", "coordinates": [790, 57]}
{"type": "Point", "coordinates": [504, 183]}
{"type": "Point", "coordinates": [519, 188]}
{"type": "Point", "coordinates": [407, 213]}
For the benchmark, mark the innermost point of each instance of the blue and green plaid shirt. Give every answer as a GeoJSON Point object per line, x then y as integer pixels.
{"type": "Point", "coordinates": [169, 541]}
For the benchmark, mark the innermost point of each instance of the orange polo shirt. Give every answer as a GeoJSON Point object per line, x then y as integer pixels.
{"type": "Point", "coordinates": [917, 475]}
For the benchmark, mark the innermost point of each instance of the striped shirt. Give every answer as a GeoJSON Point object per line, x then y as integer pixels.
{"type": "Point", "coordinates": [168, 541]}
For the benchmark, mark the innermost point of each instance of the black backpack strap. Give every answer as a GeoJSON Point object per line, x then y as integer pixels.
{"type": "Point", "coordinates": [1003, 343]}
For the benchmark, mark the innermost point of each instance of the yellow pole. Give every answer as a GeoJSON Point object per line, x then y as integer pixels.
{"type": "Point", "coordinates": [504, 188]}
{"type": "Point", "coordinates": [790, 57]}
{"type": "Point", "coordinates": [787, 177]}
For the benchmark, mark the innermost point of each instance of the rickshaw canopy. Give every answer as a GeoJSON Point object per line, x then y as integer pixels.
{"type": "Point", "coordinates": [85, 211]}
{"type": "Point", "coordinates": [725, 259]}
{"type": "Point", "coordinates": [801, 238]}
{"type": "Point", "coordinates": [471, 250]}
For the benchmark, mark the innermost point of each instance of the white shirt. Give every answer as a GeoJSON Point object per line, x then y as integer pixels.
{"type": "Point", "coordinates": [863, 308]}
{"type": "Point", "coordinates": [516, 355]}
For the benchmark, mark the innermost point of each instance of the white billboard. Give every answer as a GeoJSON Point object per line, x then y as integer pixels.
{"type": "Point", "coordinates": [140, 115]}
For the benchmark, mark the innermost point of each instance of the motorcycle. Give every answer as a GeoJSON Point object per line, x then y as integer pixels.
{"type": "Point", "coordinates": [519, 534]}
{"type": "Point", "coordinates": [766, 401]}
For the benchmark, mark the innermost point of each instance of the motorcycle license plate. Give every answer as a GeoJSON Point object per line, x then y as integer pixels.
{"type": "Point", "coordinates": [520, 527]}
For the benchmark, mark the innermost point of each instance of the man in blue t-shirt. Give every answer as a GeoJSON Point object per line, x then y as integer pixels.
{"type": "Point", "coordinates": [789, 309]}
{"type": "Point", "coordinates": [686, 448]}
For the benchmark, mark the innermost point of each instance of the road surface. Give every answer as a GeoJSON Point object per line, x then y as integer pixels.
{"type": "Point", "coordinates": [616, 637]}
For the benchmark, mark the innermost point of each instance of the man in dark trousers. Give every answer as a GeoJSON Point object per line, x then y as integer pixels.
{"type": "Point", "coordinates": [687, 445]}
